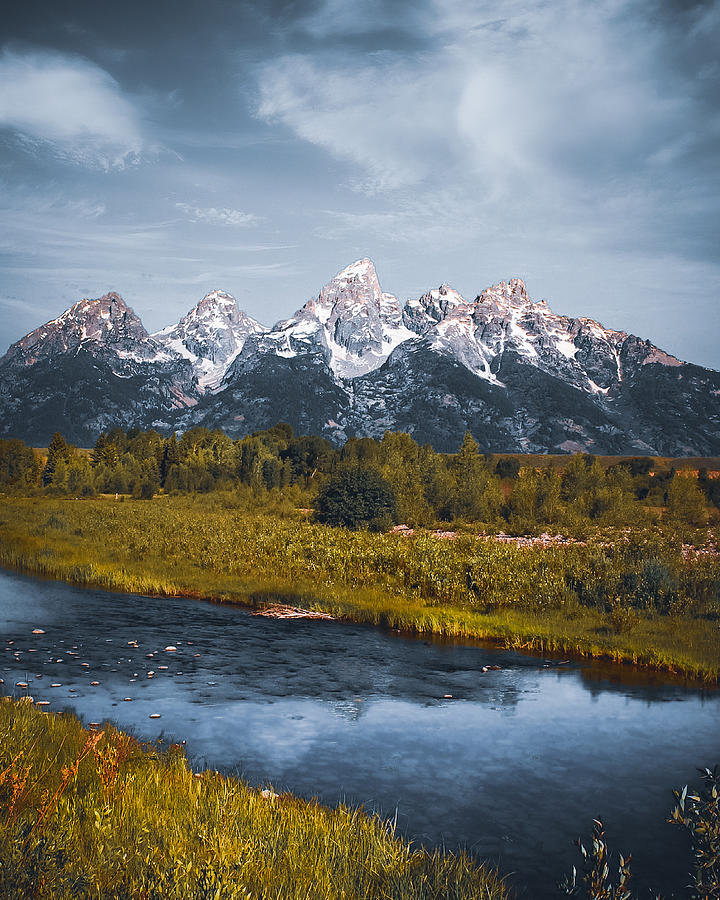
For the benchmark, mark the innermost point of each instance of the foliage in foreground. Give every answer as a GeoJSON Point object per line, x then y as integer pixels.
{"type": "Point", "coordinates": [699, 813]}
{"type": "Point", "coordinates": [631, 597]}
{"type": "Point", "coordinates": [97, 815]}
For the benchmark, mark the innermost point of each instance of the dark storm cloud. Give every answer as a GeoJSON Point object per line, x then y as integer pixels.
{"type": "Point", "coordinates": [163, 149]}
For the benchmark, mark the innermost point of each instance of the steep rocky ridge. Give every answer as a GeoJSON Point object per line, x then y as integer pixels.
{"type": "Point", "coordinates": [354, 360]}
{"type": "Point", "coordinates": [93, 367]}
{"type": "Point", "coordinates": [352, 324]}
{"type": "Point", "coordinates": [210, 336]}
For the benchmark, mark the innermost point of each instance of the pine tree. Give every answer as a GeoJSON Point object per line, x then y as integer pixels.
{"type": "Point", "coordinates": [170, 458]}
{"type": "Point", "coordinates": [59, 449]}
{"type": "Point", "coordinates": [685, 501]}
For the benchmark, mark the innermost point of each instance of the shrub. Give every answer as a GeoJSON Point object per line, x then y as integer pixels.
{"type": "Point", "coordinates": [357, 498]}
{"type": "Point", "coordinates": [597, 879]}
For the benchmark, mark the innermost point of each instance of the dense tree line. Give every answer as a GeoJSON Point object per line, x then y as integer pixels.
{"type": "Point", "coordinates": [411, 483]}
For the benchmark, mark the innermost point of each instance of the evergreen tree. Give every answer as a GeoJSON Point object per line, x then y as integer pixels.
{"type": "Point", "coordinates": [272, 470]}
{"type": "Point", "coordinates": [308, 457]}
{"type": "Point", "coordinates": [524, 501]}
{"type": "Point", "coordinates": [105, 452]}
{"type": "Point", "coordinates": [477, 494]}
{"type": "Point", "coordinates": [19, 466]}
{"type": "Point", "coordinates": [398, 457]}
{"type": "Point", "coordinates": [59, 449]}
{"type": "Point", "coordinates": [550, 506]}
{"type": "Point", "coordinates": [170, 458]}
{"type": "Point", "coordinates": [508, 467]}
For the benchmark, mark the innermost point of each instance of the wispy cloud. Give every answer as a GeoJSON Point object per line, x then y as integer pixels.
{"type": "Point", "coordinates": [365, 113]}
{"type": "Point", "coordinates": [69, 106]}
{"type": "Point", "coordinates": [557, 104]}
{"type": "Point", "coordinates": [24, 201]}
{"type": "Point", "coordinates": [218, 216]}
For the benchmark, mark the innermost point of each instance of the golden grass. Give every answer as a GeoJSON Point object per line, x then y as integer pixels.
{"type": "Point", "coordinates": [98, 815]}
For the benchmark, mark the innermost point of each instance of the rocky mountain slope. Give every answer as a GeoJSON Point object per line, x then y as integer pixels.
{"type": "Point", "coordinates": [210, 336]}
{"type": "Point", "coordinates": [93, 367]}
{"type": "Point", "coordinates": [354, 360]}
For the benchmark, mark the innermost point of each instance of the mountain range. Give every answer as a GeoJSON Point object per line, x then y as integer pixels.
{"type": "Point", "coordinates": [356, 361]}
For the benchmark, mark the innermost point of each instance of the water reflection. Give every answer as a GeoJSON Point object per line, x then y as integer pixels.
{"type": "Point", "coordinates": [511, 763]}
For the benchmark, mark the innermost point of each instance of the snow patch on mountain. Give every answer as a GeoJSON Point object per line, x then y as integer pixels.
{"type": "Point", "coordinates": [354, 360]}
{"type": "Point", "coordinates": [210, 336]}
{"type": "Point", "coordinates": [106, 325]}
{"type": "Point", "coordinates": [353, 327]}
{"type": "Point", "coordinates": [351, 324]}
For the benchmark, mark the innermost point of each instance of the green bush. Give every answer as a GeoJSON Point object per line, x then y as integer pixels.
{"type": "Point", "coordinates": [357, 498]}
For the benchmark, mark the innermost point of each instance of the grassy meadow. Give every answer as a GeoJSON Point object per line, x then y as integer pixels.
{"type": "Point", "coordinates": [96, 814]}
{"type": "Point", "coordinates": [626, 597]}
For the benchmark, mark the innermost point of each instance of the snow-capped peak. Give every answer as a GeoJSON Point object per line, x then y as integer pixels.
{"type": "Point", "coordinates": [361, 324]}
{"type": "Point", "coordinates": [213, 302]}
{"type": "Point", "coordinates": [361, 269]}
{"type": "Point", "coordinates": [210, 336]}
{"type": "Point", "coordinates": [510, 294]}
{"type": "Point", "coordinates": [423, 314]}
{"type": "Point", "coordinates": [351, 323]}
{"type": "Point", "coordinates": [94, 319]}
{"type": "Point", "coordinates": [106, 321]}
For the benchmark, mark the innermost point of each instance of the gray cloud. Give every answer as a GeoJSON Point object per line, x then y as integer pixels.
{"type": "Point", "coordinates": [567, 96]}
{"type": "Point", "coordinates": [69, 105]}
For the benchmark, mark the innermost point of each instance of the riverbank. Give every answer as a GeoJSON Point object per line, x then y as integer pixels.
{"type": "Point", "coordinates": [545, 599]}
{"type": "Point", "coordinates": [96, 811]}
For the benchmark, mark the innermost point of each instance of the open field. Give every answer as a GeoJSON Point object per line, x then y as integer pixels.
{"type": "Point", "coordinates": [635, 600]}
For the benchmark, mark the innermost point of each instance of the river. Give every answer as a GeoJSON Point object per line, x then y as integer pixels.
{"type": "Point", "coordinates": [510, 763]}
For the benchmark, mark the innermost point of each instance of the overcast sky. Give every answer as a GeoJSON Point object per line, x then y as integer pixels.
{"type": "Point", "coordinates": [163, 149]}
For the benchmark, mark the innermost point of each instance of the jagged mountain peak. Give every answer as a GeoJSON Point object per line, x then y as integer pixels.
{"type": "Point", "coordinates": [360, 270]}
{"type": "Point", "coordinates": [106, 321]}
{"type": "Point", "coordinates": [425, 313]}
{"type": "Point", "coordinates": [210, 336]}
{"type": "Point", "coordinates": [353, 290]}
{"type": "Point", "coordinates": [354, 361]}
{"type": "Point", "coordinates": [110, 307]}
{"type": "Point", "coordinates": [214, 300]}
{"type": "Point", "coordinates": [357, 282]}
{"type": "Point", "coordinates": [510, 294]}
{"type": "Point", "coordinates": [216, 309]}
{"type": "Point", "coordinates": [352, 324]}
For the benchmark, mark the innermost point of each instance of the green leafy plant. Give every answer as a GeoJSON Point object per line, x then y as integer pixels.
{"type": "Point", "coordinates": [700, 814]}
{"type": "Point", "coordinates": [598, 881]}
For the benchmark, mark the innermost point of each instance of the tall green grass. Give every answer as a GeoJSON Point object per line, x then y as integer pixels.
{"type": "Point", "coordinates": [98, 815]}
{"type": "Point", "coordinates": [634, 600]}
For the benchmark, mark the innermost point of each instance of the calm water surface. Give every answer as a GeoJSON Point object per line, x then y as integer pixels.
{"type": "Point", "coordinates": [512, 767]}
